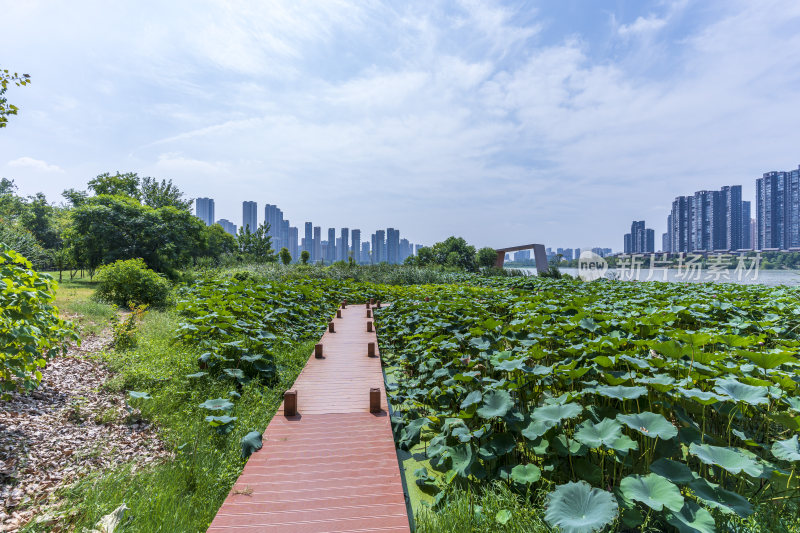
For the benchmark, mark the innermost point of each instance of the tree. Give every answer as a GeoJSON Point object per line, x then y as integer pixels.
{"type": "Point", "coordinates": [486, 257]}
{"type": "Point", "coordinates": [454, 252]}
{"type": "Point", "coordinates": [256, 246]}
{"type": "Point", "coordinates": [6, 79]}
{"type": "Point", "coordinates": [304, 257]}
{"type": "Point", "coordinates": [285, 256]}
{"type": "Point", "coordinates": [219, 241]}
{"type": "Point", "coordinates": [75, 197]}
{"type": "Point", "coordinates": [425, 256]}
{"type": "Point", "coordinates": [39, 219]}
{"type": "Point", "coordinates": [11, 205]}
{"type": "Point", "coordinates": [119, 184]}
{"type": "Point", "coordinates": [162, 194]}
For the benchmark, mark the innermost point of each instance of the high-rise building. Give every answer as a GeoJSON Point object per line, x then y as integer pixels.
{"type": "Point", "coordinates": [365, 253]}
{"type": "Point", "coordinates": [293, 248]}
{"type": "Point", "coordinates": [250, 216]}
{"type": "Point", "coordinates": [747, 243]}
{"type": "Point", "coordinates": [285, 235]}
{"type": "Point", "coordinates": [228, 226]}
{"type": "Point", "coordinates": [274, 217]}
{"type": "Point", "coordinates": [204, 210]}
{"type": "Point", "coordinates": [317, 253]}
{"type": "Point", "coordinates": [330, 256]}
{"type": "Point", "coordinates": [345, 249]}
{"type": "Point", "coordinates": [392, 246]}
{"type": "Point", "coordinates": [640, 240]}
{"type": "Point", "coordinates": [778, 210]}
{"type": "Point", "coordinates": [404, 250]}
{"type": "Point", "coordinates": [309, 240]}
{"type": "Point", "coordinates": [707, 221]}
{"type": "Point", "coordinates": [355, 236]}
{"type": "Point", "coordinates": [379, 247]}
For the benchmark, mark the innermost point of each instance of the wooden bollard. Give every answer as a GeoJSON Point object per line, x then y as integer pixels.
{"type": "Point", "coordinates": [369, 325]}
{"type": "Point", "coordinates": [290, 403]}
{"type": "Point", "coordinates": [371, 349]}
{"type": "Point", "coordinates": [367, 306]}
{"type": "Point", "coordinates": [330, 327]}
{"type": "Point", "coordinates": [369, 313]}
{"type": "Point", "coordinates": [318, 351]}
{"type": "Point", "coordinates": [338, 313]}
{"type": "Point", "coordinates": [344, 304]}
{"type": "Point", "coordinates": [427, 299]}
{"type": "Point", "coordinates": [372, 301]}
{"type": "Point", "coordinates": [378, 305]}
{"type": "Point", "coordinates": [374, 400]}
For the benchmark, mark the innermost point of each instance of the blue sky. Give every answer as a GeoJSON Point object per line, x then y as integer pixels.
{"type": "Point", "coordinates": [505, 123]}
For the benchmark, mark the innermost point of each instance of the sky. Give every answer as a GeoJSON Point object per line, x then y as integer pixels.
{"type": "Point", "coordinates": [505, 123]}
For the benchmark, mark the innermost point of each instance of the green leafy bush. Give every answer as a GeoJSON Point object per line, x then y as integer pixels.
{"type": "Point", "coordinates": [130, 282]}
{"type": "Point", "coordinates": [30, 330]}
{"type": "Point", "coordinates": [124, 331]}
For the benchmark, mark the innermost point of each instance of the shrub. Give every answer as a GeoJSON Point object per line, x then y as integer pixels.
{"type": "Point", "coordinates": [130, 282]}
{"type": "Point", "coordinates": [124, 331]}
{"type": "Point", "coordinates": [30, 329]}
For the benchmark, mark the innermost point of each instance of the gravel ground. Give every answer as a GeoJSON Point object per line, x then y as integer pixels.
{"type": "Point", "coordinates": [65, 429]}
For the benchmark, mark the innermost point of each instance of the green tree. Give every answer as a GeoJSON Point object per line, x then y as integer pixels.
{"type": "Point", "coordinates": [425, 256]}
{"type": "Point", "coordinates": [220, 242]}
{"type": "Point", "coordinates": [39, 219]}
{"type": "Point", "coordinates": [7, 78]}
{"type": "Point", "coordinates": [256, 246]}
{"type": "Point", "coordinates": [119, 184]}
{"type": "Point", "coordinates": [75, 197]}
{"type": "Point", "coordinates": [285, 256]}
{"type": "Point", "coordinates": [304, 257]}
{"type": "Point", "coordinates": [486, 257]}
{"type": "Point", "coordinates": [11, 205]}
{"type": "Point", "coordinates": [162, 194]}
{"type": "Point", "coordinates": [454, 252]}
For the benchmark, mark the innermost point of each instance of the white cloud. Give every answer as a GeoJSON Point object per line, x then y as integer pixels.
{"type": "Point", "coordinates": [642, 25]}
{"type": "Point", "coordinates": [35, 164]}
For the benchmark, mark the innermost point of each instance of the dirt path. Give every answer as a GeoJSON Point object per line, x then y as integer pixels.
{"type": "Point", "coordinates": [68, 427]}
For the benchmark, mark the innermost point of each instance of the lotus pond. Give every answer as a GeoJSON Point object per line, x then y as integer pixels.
{"type": "Point", "coordinates": [626, 403]}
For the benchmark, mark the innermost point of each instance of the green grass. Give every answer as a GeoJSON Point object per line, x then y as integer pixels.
{"type": "Point", "coordinates": [182, 494]}
{"type": "Point", "coordinates": [465, 511]}
{"type": "Point", "coordinates": [73, 299]}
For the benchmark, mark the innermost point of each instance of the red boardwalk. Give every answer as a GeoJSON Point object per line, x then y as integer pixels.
{"type": "Point", "coordinates": [332, 466]}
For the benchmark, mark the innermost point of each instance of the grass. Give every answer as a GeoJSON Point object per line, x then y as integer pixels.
{"type": "Point", "coordinates": [73, 299]}
{"type": "Point", "coordinates": [182, 494]}
{"type": "Point", "coordinates": [483, 510]}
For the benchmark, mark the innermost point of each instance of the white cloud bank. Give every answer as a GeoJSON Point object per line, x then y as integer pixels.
{"type": "Point", "coordinates": [35, 164]}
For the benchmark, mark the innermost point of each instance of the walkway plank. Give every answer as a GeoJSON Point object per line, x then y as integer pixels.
{"type": "Point", "coordinates": [332, 467]}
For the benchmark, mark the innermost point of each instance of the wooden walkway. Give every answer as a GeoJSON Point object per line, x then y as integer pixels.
{"type": "Point", "coordinates": [332, 467]}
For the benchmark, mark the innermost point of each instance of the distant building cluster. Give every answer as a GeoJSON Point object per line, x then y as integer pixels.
{"type": "Point", "coordinates": [720, 221]}
{"type": "Point", "coordinates": [383, 246]}
{"type": "Point", "coordinates": [640, 240]}
{"type": "Point", "coordinates": [559, 254]}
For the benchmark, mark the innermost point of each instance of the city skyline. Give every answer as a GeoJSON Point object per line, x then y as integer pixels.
{"type": "Point", "coordinates": [501, 122]}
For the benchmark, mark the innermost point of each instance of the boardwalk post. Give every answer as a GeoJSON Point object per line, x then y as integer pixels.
{"type": "Point", "coordinates": [378, 305]}
{"type": "Point", "coordinates": [290, 403]}
{"type": "Point", "coordinates": [372, 301]}
{"type": "Point", "coordinates": [330, 327]}
{"type": "Point", "coordinates": [318, 351]}
{"type": "Point", "coordinates": [374, 400]}
{"type": "Point", "coordinates": [367, 306]}
{"type": "Point", "coordinates": [371, 349]}
{"type": "Point", "coordinates": [338, 313]}
{"type": "Point", "coordinates": [369, 325]}
{"type": "Point", "coordinates": [369, 313]}
{"type": "Point", "coordinates": [344, 304]}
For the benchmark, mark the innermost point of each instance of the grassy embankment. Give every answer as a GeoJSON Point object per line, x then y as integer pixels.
{"type": "Point", "coordinates": [185, 493]}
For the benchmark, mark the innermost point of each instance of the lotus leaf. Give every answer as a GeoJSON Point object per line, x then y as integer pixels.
{"type": "Point", "coordinates": [471, 399]}
{"type": "Point", "coordinates": [652, 490]}
{"type": "Point", "coordinates": [503, 516]}
{"type": "Point", "coordinates": [733, 460]}
{"type": "Point", "coordinates": [139, 395]}
{"type": "Point", "coordinates": [250, 443]}
{"type": "Point", "coordinates": [740, 392]}
{"type": "Point", "coordinates": [554, 414]}
{"type": "Point", "coordinates": [692, 519]}
{"type": "Point", "coordinates": [715, 496]}
{"type": "Point", "coordinates": [672, 470]}
{"type": "Point", "coordinates": [650, 425]}
{"type": "Point", "coordinates": [604, 433]}
{"type": "Point", "coordinates": [526, 474]}
{"type": "Point", "coordinates": [576, 507]}
{"type": "Point", "coordinates": [496, 403]}
{"type": "Point", "coordinates": [620, 392]}
{"type": "Point", "coordinates": [218, 404]}
{"type": "Point", "coordinates": [788, 450]}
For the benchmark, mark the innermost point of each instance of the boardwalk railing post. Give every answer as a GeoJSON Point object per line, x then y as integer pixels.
{"type": "Point", "coordinates": [369, 325]}
{"type": "Point", "coordinates": [372, 301]}
{"type": "Point", "coordinates": [367, 305]}
{"type": "Point", "coordinates": [369, 313]}
{"type": "Point", "coordinates": [318, 351]}
{"type": "Point", "coordinates": [290, 403]}
{"type": "Point", "coordinates": [344, 304]}
{"type": "Point", "coordinates": [338, 313]}
{"type": "Point", "coordinates": [378, 305]}
{"type": "Point", "coordinates": [371, 349]}
{"type": "Point", "coordinates": [330, 327]}
{"type": "Point", "coordinates": [374, 400]}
